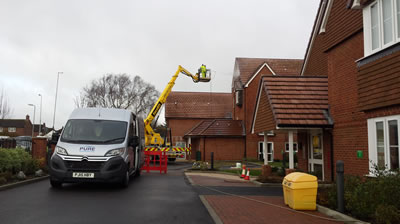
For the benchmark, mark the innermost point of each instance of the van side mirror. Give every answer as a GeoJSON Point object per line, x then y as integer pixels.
{"type": "Point", "coordinates": [54, 137]}
{"type": "Point", "coordinates": [133, 141]}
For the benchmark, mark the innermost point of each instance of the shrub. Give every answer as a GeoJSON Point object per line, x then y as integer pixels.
{"type": "Point", "coordinates": [200, 165]}
{"type": "Point", "coordinates": [285, 160]}
{"type": "Point", "coordinates": [281, 172]}
{"type": "Point", "coordinates": [15, 160]}
{"type": "Point", "coordinates": [5, 158]}
{"type": "Point", "coordinates": [373, 199]}
{"type": "Point", "coordinates": [7, 175]}
{"type": "Point", "coordinates": [3, 180]}
{"type": "Point", "coordinates": [386, 214]}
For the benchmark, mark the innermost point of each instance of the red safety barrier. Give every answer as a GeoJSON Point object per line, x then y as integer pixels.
{"type": "Point", "coordinates": [155, 160]}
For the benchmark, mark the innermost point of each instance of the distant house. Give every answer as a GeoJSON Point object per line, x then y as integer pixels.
{"type": "Point", "coordinates": [21, 127]}
{"type": "Point", "coordinates": [16, 127]}
{"type": "Point", "coordinates": [43, 129]}
{"type": "Point", "coordinates": [245, 82]}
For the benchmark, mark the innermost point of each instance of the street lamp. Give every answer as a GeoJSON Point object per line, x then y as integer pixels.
{"type": "Point", "coordinates": [40, 116]}
{"type": "Point", "coordinates": [34, 112]}
{"type": "Point", "coordinates": [55, 101]}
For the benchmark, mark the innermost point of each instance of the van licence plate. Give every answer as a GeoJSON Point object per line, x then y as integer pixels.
{"type": "Point", "coordinates": [82, 175]}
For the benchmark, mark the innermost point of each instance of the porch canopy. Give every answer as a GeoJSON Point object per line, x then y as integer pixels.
{"type": "Point", "coordinates": [290, 103]}
{"type": "Point", "coordinates": [217, 128]}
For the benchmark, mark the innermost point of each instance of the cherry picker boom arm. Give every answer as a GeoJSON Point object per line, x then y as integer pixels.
{"type": "Point", "coordinates": [153, 138]}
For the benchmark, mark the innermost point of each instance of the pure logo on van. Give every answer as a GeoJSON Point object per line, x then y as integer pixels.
{"type": "Point", "coordinates": [86, 149]}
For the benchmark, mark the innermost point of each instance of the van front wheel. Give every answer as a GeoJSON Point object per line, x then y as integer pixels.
{"type": "Point", "coordinates": [125, 180]}
{"type": "Point", "coordinates": [55, 184]}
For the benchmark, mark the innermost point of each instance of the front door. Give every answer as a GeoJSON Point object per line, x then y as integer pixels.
{"type": "Point", "coordinates": [316, 155]}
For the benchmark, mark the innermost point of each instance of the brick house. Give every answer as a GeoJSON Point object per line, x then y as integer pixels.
{"type": "Point", "coordinates": [361, 62]}
{"type": "Point", "coordinates": [297, 106]}
{"type": "Point", "coordinates": [355, 45]}
{"type": "Point", "coordinates": [245, 82]}
{"type": "Point", "coordinates": [16, 127]}
{"type": "Point", "coordinates": [185, 110]}
{"type": "Point", "coordinates": [223, 137]}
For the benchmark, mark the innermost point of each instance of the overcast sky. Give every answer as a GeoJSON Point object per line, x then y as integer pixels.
{"type": "Point", "coordinates": [86, 39]}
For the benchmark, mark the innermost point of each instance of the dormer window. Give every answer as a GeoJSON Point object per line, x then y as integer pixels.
{"type": "Point", "coordinates": [381, 25]}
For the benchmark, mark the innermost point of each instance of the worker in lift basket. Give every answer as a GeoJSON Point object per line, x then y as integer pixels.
{"type": "Point", "coordinates": [203, 70]}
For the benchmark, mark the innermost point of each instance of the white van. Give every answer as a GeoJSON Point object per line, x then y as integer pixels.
{"type": "Point", "coordinates": [98, 145]}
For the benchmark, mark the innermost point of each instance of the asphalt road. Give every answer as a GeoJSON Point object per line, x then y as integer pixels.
{"type": "Point", "coordinates": [151, 198]}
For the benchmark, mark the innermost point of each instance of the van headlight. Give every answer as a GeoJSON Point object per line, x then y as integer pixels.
{"type": "Point", "coordinates": [115, 152]}
{"type": "Point", "coordinates": [61, 151]}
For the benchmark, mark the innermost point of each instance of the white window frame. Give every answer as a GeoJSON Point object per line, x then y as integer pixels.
{"type": "Point", "coordinates": [12, 129]}
{"type": "Point", "coordinates": [295, 149]}
{"type": "Point", "coordinates": [261, 152]}
{"type": "Point", "coordinates": [372, 141]}
{"type": "Point", "coordinates": [367, 27]}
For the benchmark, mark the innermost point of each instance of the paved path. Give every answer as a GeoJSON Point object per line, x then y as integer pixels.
{"type": "Point", "coordinates": [233, 209]}
{"type": "Point", "coordinates": [151, 198]}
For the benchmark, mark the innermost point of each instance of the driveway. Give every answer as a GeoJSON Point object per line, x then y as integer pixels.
{"type": "Point", "coordinates": [151, 198]}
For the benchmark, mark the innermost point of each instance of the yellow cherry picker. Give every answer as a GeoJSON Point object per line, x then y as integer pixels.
{"type": "Point", "coordinates": [154, 141]}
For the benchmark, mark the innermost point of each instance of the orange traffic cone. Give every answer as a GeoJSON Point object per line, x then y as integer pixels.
{"type": "Point", "coordinates": [243, 172]}
{"type": "Point", "coordinates": [248, 174]}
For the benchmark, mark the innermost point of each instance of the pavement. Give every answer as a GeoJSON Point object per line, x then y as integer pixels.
{"type": "Point", "coordinates": [231, 200]}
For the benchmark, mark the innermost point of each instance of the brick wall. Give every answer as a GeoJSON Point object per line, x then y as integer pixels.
{"type": "Point", "coordinates": [250, 98]}
{"type": "Point", "coordinates": [378, 82]}
{"type": "Point", "coordinates": [350, 130]}
{"type": "Point", "coordinates": [179, 127]}
{"type": "Point", "coordinates": [302, 154]}
{"type": "Point", "coordinates": [327, 151]}
{"type": "Point", "coordinates": [223, 148]}
{"type": "Point", "coordinates": [383, 112]}
{"type": "Point", "coordinates": [39, 148]}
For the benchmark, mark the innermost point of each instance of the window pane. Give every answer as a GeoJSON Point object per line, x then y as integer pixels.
{"type": "Point", "coordinates": [294, 147]}
{"type": "Point", "coordinates": [380, 144]}
{"type": "Point", "coordinates": [317, 147]}
{"type": "Point", "coordinates": [398, 17]}
{"type": "Point", "coordinates": [387, 21]}
{"type": "Point", "coordinates": [269, 148]}
{"type": "Point", "coordinates": [394, 144]}
{"type": "Point", "coordinates": [374, 26]}
{"type": "Point", "coordinates": [318, 171]}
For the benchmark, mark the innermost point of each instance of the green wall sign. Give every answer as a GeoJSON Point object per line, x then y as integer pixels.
{"type": "Point", "coordinates": [359, 154]}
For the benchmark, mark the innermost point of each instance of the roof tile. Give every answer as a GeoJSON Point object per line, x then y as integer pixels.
{"type": "Point", "coordinates": [218, 127]}
{"type": "Point", "coordinates": [304, 104]}
{"type": "Point", "coordinates": [249, 66]}
{"type": "Point", "coordinates": [17, 123]}
{"type": "Point", "coordinates": [198, 105]}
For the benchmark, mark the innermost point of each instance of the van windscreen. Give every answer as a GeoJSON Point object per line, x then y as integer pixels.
{"type": "Point", "coordinates": [94, 131]}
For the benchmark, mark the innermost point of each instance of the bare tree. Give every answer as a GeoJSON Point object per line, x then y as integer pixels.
{"type": "Point", "coordinates": [5, 110]}
{"type": "Point", "coordinates": [119, 91]}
